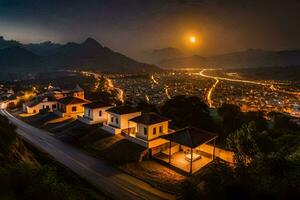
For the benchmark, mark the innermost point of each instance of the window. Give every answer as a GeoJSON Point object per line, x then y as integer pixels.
{"type": "Point", "coordinates": [112, 119]}
{"type": "Point", "coordinates": [89, 112]}
{"type": "Point", "coordinates": [154, 130]}
{"type": "Point", "coordinates": [47, 107]}
{"type": "Point", "coordinates": [54, 106]}
{"type": "Point", "coordinates": [100, 113]}
{"type": "Point", "coordinates": [117, 121]}
{"type": "Point", "coordinates": [160, 129]}
{"type": "Point", "coordinates": [145, 131]}
{"type": "Point", "coordinates": [74, 108]}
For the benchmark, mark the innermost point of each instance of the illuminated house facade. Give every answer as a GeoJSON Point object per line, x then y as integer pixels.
{"type": "Point", "coordinates": [95, 113]}
{"type": "Point", "coordinates": [35, 106]}
{"type": "Point", "coordinates": [71, 107]}
{"type": "Point", "coordinates": [118, 118]}
{"type": "Point", "coordinates": [63, 103]}
{"type": "Point", "coordinates": [147, 129]}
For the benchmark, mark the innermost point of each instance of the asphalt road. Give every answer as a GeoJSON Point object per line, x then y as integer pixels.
{"type": "Point", "coordinates": [107, 178]}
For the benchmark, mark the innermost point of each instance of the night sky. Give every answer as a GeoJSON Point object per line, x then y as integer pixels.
{"type": "Point", "coordinates": [132, 26]}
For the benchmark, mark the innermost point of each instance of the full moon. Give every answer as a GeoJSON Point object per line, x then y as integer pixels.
{"type": "Point", "coordinates": [192, 39]}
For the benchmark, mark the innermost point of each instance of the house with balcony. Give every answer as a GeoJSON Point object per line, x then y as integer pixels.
{"type": "Point", "coordinates": [147, 129]}
{"type": "Point", "coordinates": [118, 118]}
{"type": "Point", "coordinates": [95, 113]}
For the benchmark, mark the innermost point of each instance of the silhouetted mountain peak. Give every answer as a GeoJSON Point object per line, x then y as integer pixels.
{"type": "Point", "coordinates": [91, 42]}
{"type": "Point", "coordinates": [86, 55]}
{"type": "Point", "coordinates": [8, 43]}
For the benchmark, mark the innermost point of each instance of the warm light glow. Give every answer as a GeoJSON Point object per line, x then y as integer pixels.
{"type": "Point", "coordinates": [193, 39]}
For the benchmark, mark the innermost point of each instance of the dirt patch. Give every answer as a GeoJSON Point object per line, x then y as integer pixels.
{"type": "Point", "coordinates": [114, 148]}
{"type": "Point", "coordinates": [157, 175]}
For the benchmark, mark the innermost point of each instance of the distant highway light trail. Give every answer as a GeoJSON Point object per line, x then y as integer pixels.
{"type": "Point", "coordinates": [209, 94]}
{"type": "Point", "coordinates": [154, 81]}
{"type": "Point", "coordinates": [272, 87]}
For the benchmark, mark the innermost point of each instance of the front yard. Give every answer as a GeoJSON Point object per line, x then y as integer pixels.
{"type": "Point", "coordinates": [127, 156]}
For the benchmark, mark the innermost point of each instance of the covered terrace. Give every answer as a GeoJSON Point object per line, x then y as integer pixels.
{"type": "Point", "coordinates": [186, 149]}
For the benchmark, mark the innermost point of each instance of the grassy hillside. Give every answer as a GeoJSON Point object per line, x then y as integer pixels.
{"type": "Point", "coordinates": [26, 173]}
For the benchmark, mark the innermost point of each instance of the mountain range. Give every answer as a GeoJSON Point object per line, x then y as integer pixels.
{"type": "Point", "coordinates": [251, 58]}
{"type": "Point", "coordinates": [88, 55]}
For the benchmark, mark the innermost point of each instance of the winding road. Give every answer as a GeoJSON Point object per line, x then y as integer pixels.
{"type": "Point", "coordinates": [108, 179]}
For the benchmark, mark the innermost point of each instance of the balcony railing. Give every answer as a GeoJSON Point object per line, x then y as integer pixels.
{"type": "Point", "coordinates": [130, 131]}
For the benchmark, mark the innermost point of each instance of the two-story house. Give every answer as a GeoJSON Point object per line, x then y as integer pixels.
{"type": "Point", "coordinates": [95, 113]}
{"type": "Point", "coordinates": [118, 118]}
{"type": "Point", "coordinates": [147, 129]}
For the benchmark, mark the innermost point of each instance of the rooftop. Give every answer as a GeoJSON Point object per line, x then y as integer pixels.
{"type": "Point", "coordinates": [40, 99]}
{"type": "Point", "coordinates": [72, 100]}
{"type": "Point", "coordinates": [149, 119]}
{"type": "Point", "coordinates": [97, 104]}
{"type": "Point", "coordinates": [190, 137]}
{"type": "Point", "coordinates": [121, 110]}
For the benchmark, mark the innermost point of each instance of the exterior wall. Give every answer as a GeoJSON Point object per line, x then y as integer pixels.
{"type": "Point", "coordinates": [40, 106]}
{"type": "Point", "coordinates": [113, 123]}
{"type": "Point", "coordinates": [79, 109]}
{"type": "Point", "coordinates": [150, 133]}
{"type": "Point", "coordinates": [111, 129]}
{"type": "Point", "coordinates": [174, 149]}
{"type": "Point", "coordinates": [79, 95]}
{"type": "Point", "coordinates": [66, 110]}
{"type": "Point", "coordinates": [60, 95]}
{"type": "Point", "coordinates": [145, 143]}
{"type": "Point", "coordinates": [221, 153]}
{"type": "Point", "coordinates": [93, 114]}
{"type": "Point", "coordinates": [122, 119]}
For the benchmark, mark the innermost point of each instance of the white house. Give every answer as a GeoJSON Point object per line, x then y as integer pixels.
{"type": "Point", "coordinates": [118, 118]}
{"type": "Point", "coordinates": [95, 113]}
{"type": "Point", "coordinates": [36, 105]}
{"type": "Point", "coordinates": [147, 129]}
{"type": "Point", "coordinates": [54, 101]}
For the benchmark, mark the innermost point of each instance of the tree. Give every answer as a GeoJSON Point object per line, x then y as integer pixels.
{"type": "Point", "coordinates": [146, 107]}
{"type": "Point", "coordinates": [258, 118]}
{"type": "Point", "coordinates": [231, 118]}
{"type": "Point", "coordinates": [188, 111]}
{"type": "Point", "coordinates": [243, 143]}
